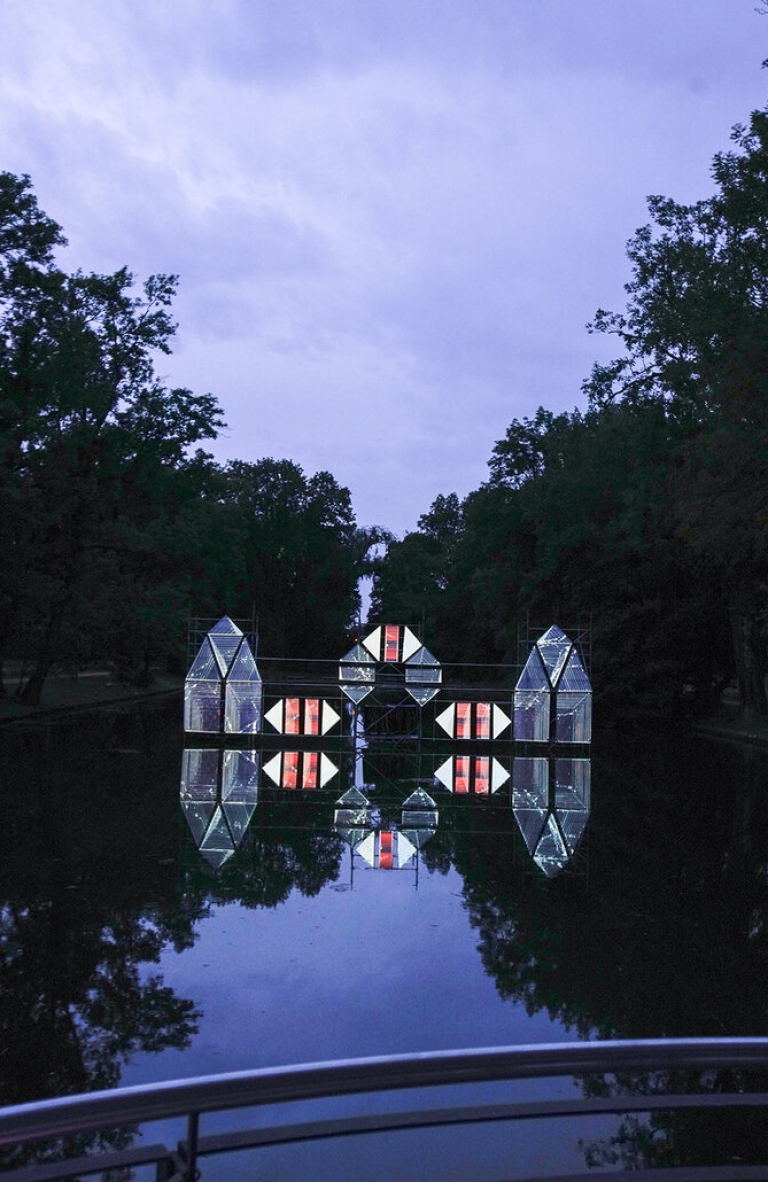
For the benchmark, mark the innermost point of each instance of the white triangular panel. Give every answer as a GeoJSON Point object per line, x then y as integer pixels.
{"type": "Point", "coordinates": [373, 643]}
{"type": "Point", "coordinates": [328, 718]}
{"type": "Point", "coordinates": [500, 721]}
{"type": "Point", "coordinates": [445, 773]}
{"type": "Point", "coordinates": [411, 643]}
{"type": "Point", "coordinates": [367, 849]}
{"type": "Point", "coordinates": [499, 775]}
{"type": "Point", "coordinates": [273, 768]}
{"type": "Point", "coordinates": [446, 719]}
{"type": "Point", "coordinates": [328, 770]}
{"type": "Point", "coordinates": [405, 850]}
{"type": "Point", "coordinates": [274, 715]}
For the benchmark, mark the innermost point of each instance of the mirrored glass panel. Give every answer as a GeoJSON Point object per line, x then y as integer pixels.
{"type": "Point", "coordinates": [531, 716]}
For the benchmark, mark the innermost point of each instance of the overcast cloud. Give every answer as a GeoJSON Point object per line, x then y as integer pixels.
{"type": "Point", "coordinates": [392, 219]}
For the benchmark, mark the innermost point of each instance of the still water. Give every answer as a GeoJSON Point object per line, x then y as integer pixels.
{"type": "Point", "coordinates": [128, 954]}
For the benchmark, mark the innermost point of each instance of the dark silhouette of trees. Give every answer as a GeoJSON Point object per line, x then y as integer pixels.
{"type": "Point", "coordinates": [114, 524]}
{"type": "Point", "coordinates": [647, 511]}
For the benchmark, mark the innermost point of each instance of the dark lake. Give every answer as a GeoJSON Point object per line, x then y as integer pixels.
{"type": "Point", "coordinates": [128, 954]}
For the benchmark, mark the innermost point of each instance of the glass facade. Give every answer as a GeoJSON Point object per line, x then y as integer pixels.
{"type": "Point", "coordinates": [553, 695]}
{"type": "Point", "coordinates": [551, 804]}
{"type": "Point", "coordinates": [223, 690]}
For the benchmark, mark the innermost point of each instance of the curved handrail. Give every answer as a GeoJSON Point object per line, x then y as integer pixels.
{"type": "Point", "coordinates": [48, 1119]}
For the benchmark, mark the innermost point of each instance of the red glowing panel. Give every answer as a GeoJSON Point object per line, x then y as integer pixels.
{"type": "Point", "coordinates": [292, 716]}
{"type": "Point", "coordinates": [312, 716]}
{"type": "Point", "coordinates": [290, 769]}
{"type": "Point", "coordinates": [385, 851]}
{"type": "Point", "coordinates": [481, 774]}
{"type": "Point", "coordinates": [391, 639]}
{"type": "Point", "coordinates": [309, 779]}
{"type": "Point", "coordinates": [461, 778]}
{"type": "Point", "coordinates": [483, 720]}
{"type": "Point", "coordinates": [463, 710]}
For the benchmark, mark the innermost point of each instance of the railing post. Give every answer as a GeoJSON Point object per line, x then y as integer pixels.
{"type": "Point", "coordinates": [165, 1169]}
{"type": "Point", "coordinates": [189, 1149]}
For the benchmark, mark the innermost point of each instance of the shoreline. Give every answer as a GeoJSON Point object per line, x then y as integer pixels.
{"type": "Point", "coordinates": [733, 730]}
{"type": "Point", "coordinates": [68, 695]}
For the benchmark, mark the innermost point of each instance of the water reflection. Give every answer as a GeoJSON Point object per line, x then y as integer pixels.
{"type": "Point", "coordinates": [550, 797]}
{"type": "Point", "coordinates": [382, 845]}
{"type": "Point", "coordinates": [551, 804]}
{"type": "Point", "coordinates": [663, 937]}
{"type": "Point", "coordinates": [477, 774]}
{"type": "Point", "coordinates": [218, 796]}
{"type": "Point", "coordinates": [302, 770]}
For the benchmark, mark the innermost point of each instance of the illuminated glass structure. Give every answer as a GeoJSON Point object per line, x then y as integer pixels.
{"type": "Point", "coordinates": [390, 644]}
{"type": "Point", "coordinates": [553, 696]}
{"type": "Point", "coordinates": [223, 689]}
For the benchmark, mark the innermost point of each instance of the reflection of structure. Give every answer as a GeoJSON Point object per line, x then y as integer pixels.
{"type": "Point", "coordinates": [553, 696]}
{"type": "Point", "coordinates": [219, 791]}
{"type": "Point", "coordinates": [387, 847]}
{"type": "Point", "coordinates": [473, 720]}
{"type": "Point", "coordinates": [419, 819]}
{"type": "Point", "coordinates": [302, 716]}
{"type": "Point", "coordinates": [390, 644]}
{"type": "Point", "coordinates": [479, 774]}
{"type": "Point", "coordinates": [300, 769]}
{"type": "Point", "coordinates": [223, 690]}
{"type": "Point", "coordinates": [550, 802]}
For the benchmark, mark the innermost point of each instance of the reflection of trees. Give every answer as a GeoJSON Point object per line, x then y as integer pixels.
{"type": "Point", "coordinates": [662, 932]}
{"type": "Point", "coordinates": [709, 1136]}
{"type": "Point", "coordinates": [287, 847]}
{"type": "Point", "coordinates": [87, 872]}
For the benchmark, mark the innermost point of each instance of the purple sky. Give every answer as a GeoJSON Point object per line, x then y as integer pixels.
{"type": "Point", "coordinates": [392, 219]}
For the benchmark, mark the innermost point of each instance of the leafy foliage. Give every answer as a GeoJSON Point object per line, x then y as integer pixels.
{"type": "Point", "coordinates": [649, 510]}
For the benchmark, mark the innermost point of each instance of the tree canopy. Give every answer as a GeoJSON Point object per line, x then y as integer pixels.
{"type": "Point", "coordinates": [115, 525]}
{"type": "Point", "coordinates": [647, 511]}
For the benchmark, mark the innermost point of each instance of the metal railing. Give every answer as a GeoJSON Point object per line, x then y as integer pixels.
{"type": "Point", "coordinates": [49, 1120]}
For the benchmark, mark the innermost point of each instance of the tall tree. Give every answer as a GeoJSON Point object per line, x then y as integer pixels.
{"type": "Point", "coordinates": [695, 342]}
{"type": "Point", "coordinates": [303, 555]}
{"type": "Point", "coordinates": [92, 446]}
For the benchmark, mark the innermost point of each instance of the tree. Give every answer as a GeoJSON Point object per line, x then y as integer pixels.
{"type": "Point", "coordinates": [303, 555]}
{"type": "Point", "coordinates": [695, 343]}
{"type": "Point", "coordinates": [93, 448]}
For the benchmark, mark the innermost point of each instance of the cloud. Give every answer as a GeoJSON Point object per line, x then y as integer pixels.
{"type": "Point", "coordinates": [391, 221]}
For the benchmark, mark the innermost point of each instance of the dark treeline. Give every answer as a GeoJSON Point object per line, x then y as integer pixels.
{"type": "Point", "coordinates": [649, 510]}
{"type": "Point", "coordinates": [115, 524]}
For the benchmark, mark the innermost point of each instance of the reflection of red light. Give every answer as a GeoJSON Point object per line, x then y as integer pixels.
{"type": "Point", "coordinates": [292, 716]}
{"type": "Point", "coordinates": [391, 637]}
{"type": "Point", "coordinates": [312, 716]}
{"type": "Point", "coordinates": [461, 781]}
{"type": "Point", "coordinates": [483, 720]}
{"type": "Point", "coordinates": [290, 769]}
{"type": "Point", "coordinates": [385, 851]}
{"type": "Point", "coordinates": [309, 779]}
{"type": "Point", "coordinates": [481, 774]}
{"type": "Point", "coordinates": [462, 720]}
